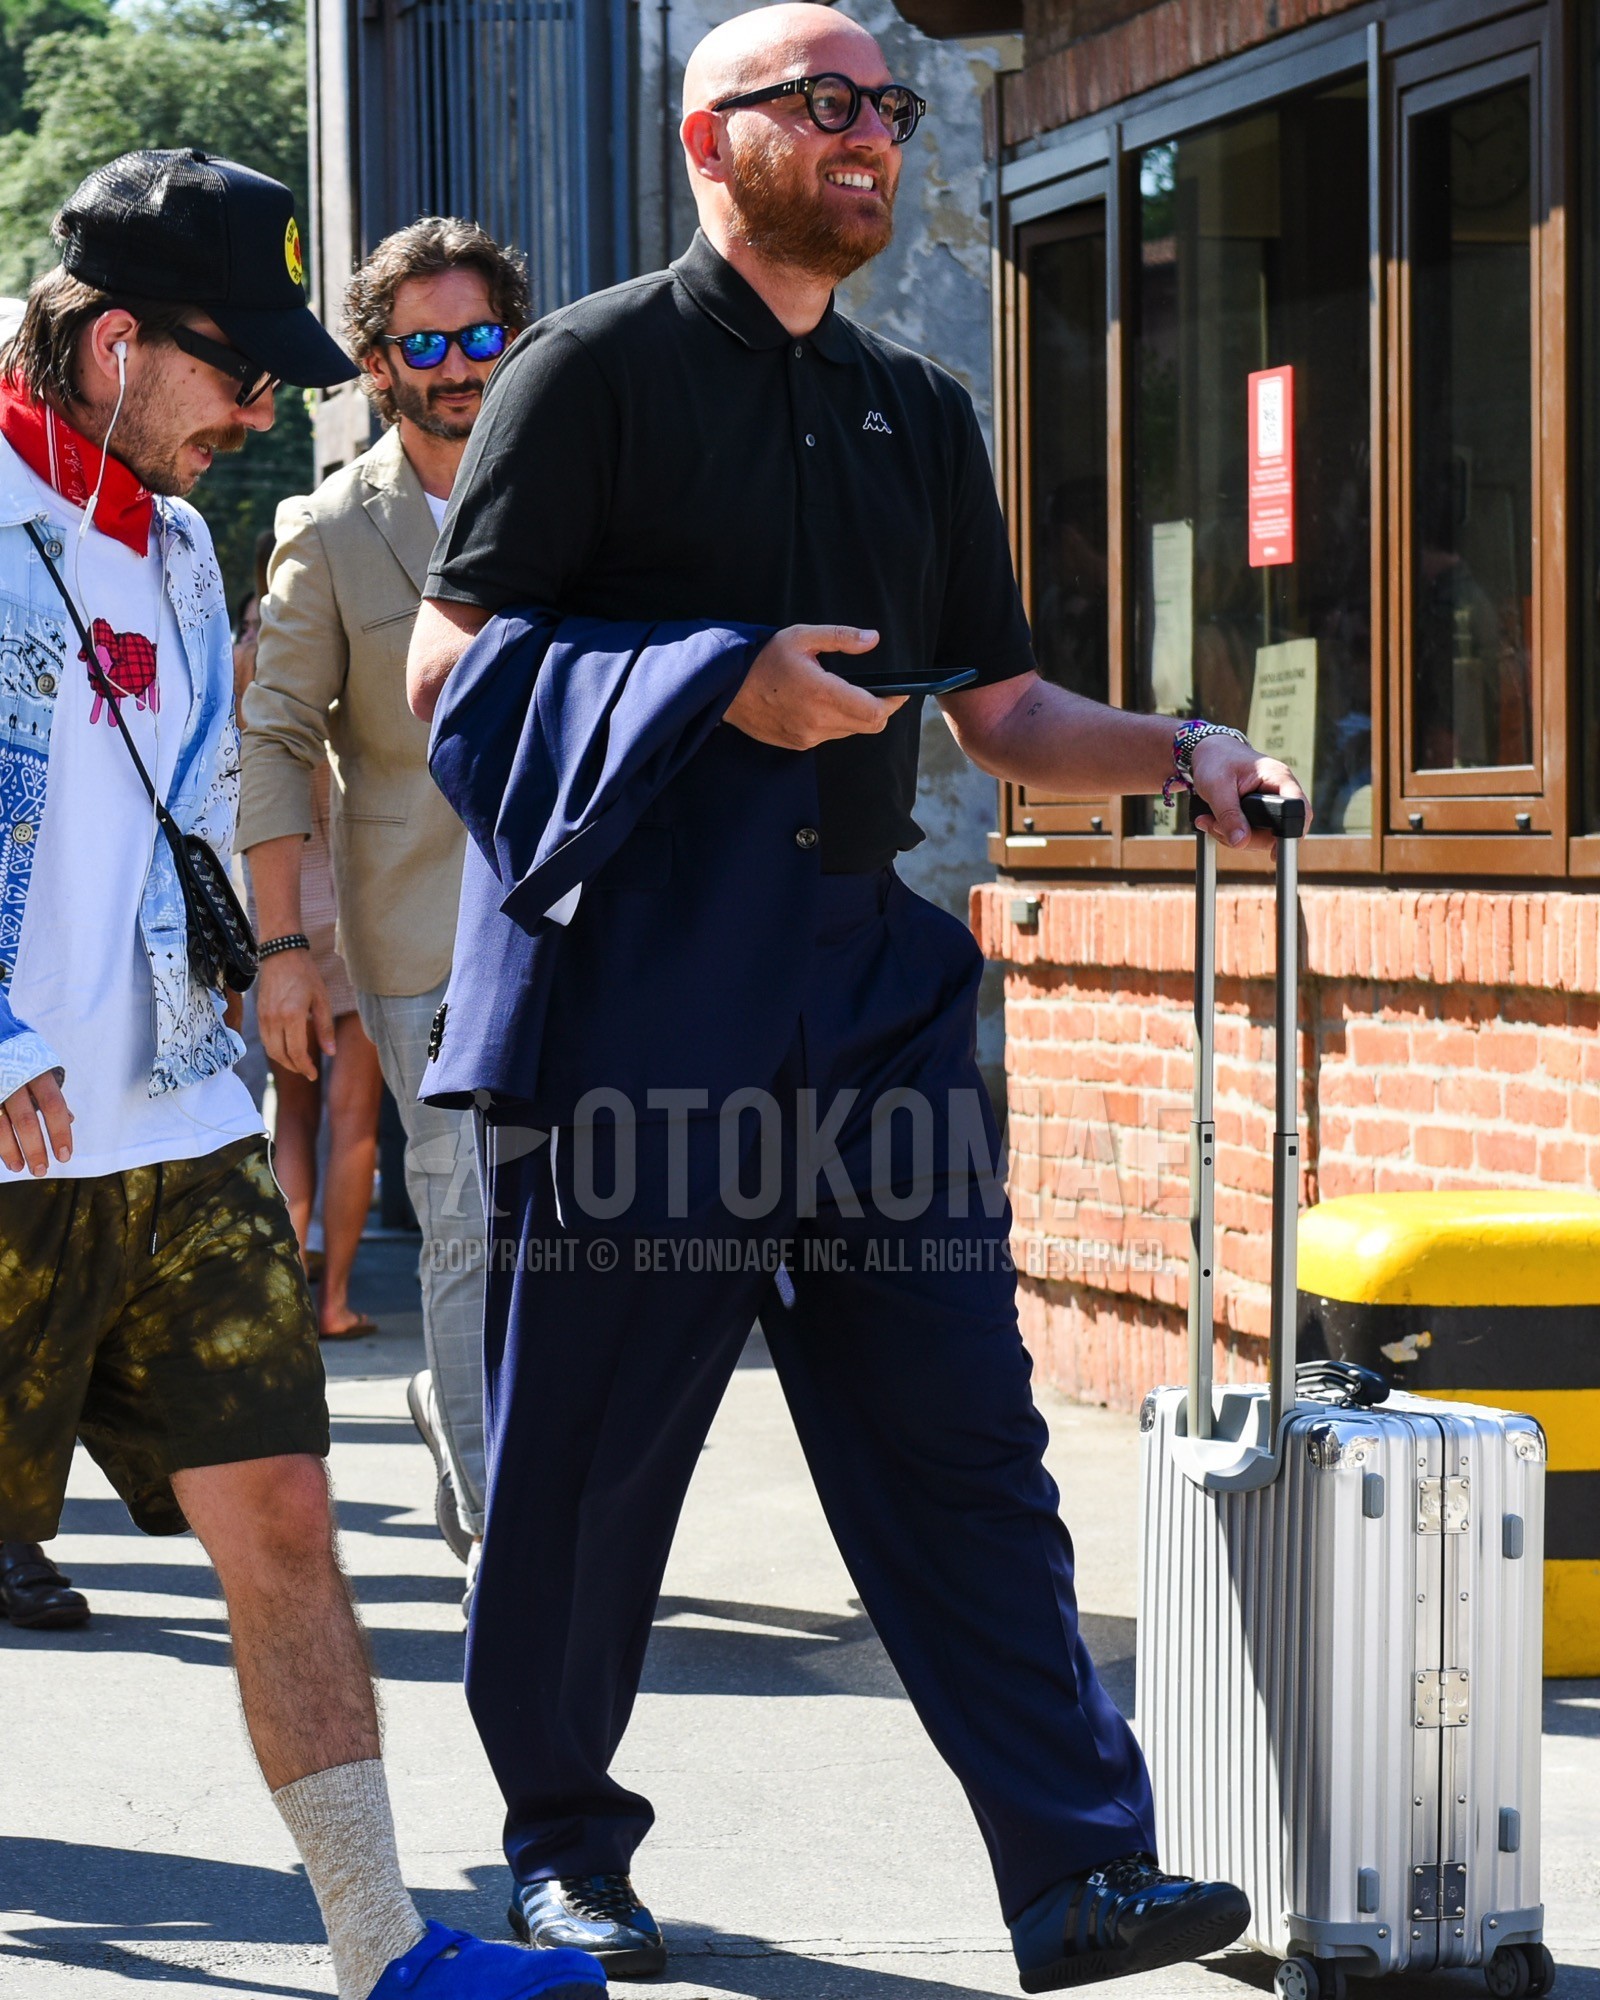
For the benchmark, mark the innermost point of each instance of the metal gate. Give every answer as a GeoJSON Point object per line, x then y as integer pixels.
{"type": "Point", "coordinates": [510, 112]}
{"type": "Point", "coordinates": [516, 114]}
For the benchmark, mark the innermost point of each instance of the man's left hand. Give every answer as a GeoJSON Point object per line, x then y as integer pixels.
{"type": "Point", "coordinates": [1225, 771]}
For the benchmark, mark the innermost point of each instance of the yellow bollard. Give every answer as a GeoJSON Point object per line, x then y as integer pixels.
{"type": "Point", "coordinates": [1481, 1298]}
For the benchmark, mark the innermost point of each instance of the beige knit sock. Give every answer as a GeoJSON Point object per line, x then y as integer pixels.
{"type": "Point", "coordinates": [344, 1828]}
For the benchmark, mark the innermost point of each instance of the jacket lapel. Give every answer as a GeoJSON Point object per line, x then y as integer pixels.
{"type": "Point", "coordinates": [399, 508]}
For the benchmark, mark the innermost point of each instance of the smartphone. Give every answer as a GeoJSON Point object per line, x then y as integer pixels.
{"type": "Point", "coordinates": [946, 686]}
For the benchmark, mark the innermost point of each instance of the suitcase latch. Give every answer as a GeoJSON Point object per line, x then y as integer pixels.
{"type": "Point", "coordinates": [1443, 1506]}
{"type": "Point", "coordinates": [1442, 1698]}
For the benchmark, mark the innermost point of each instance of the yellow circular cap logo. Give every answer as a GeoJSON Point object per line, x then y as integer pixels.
{"type": "Point", "coordinates": [292, 254]}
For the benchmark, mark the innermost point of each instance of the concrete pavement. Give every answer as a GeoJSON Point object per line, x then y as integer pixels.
{"type": "Point", "coordinates": [809, 1845]}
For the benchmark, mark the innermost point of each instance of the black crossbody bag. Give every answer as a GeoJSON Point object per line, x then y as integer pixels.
{"type": "Point", "coordinates": [222, 946]}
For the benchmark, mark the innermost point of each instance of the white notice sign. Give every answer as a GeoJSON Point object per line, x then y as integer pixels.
{"type": "Point", "coordinates": [1172, 621]}
{"type": "Point", "coordinates": [1283, 705]}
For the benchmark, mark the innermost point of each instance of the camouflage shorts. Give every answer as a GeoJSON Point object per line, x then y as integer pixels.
{"type": "Point", "coordinates": [161, 1316]}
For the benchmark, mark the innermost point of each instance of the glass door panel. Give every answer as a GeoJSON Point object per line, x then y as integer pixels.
{"type": "Point", "coordinates": [1066, 579]}
{"type": "Point", "coordinates": [1253, 254]}
{"type": "Point", "coordinates": [1472, 423]}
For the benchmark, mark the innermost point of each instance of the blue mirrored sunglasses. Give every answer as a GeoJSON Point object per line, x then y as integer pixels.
{"type": "Point", "coordinates": [484, 340]}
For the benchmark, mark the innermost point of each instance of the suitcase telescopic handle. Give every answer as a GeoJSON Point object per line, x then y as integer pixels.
{"type": "Point", "coordinates": [1233, 1449]}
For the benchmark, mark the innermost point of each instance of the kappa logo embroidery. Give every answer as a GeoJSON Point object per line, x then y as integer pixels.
{"type": "Point", "coordinates": [876, 421]}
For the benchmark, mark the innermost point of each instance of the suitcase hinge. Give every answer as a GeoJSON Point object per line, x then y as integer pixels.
{"type": "Point", "coordinates": [1438, 1892]}
{"type": "Point", "coordinates": [1443, 1506]}
{"type": "Point", "coordinates": [1442, 1698]}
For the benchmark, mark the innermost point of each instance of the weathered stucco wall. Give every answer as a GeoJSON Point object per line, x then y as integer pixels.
{"type": "Point", "coordinates": [930, 291]}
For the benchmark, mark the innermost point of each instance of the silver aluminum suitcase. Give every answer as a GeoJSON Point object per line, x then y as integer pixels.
{"type": "Point", "coordinates": [1340, 1617]}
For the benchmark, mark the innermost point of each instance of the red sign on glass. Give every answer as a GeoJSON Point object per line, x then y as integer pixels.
{"type": "Point", "coordinates": [1271, 467]}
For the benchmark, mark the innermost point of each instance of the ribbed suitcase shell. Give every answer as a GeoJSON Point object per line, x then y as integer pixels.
{"type": "Point", "coordinates": [1340, 1608]}
{"type": "Point", "coordinates": [1291, 1641]}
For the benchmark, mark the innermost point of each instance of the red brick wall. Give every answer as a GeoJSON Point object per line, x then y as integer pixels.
{"type": "Point", "coordinates": [1079, 59]}
{"type": "Point", "coordinates": [1448, 1039]}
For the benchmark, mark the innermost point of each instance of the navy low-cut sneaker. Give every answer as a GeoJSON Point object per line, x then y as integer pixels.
{"type": "Point", "coordinates": [1124, 1917]}
{"type": "Point", "coordinates": [598, 1914]}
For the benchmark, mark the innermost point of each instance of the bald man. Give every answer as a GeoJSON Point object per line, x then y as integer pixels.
{"type": "Point", "coordinates": [716, 444]}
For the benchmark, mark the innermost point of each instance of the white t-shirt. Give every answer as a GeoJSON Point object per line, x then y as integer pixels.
{"type": "Point", "coordinates": [82, 976]}
{"type": "Point", "coordinates": [436, 508]}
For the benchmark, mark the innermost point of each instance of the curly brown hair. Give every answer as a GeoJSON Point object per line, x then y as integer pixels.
{"type": "Point", "coordinates": [427, 248]}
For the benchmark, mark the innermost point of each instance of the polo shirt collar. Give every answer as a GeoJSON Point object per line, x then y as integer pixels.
{"type": "Point", "coordinates": [721, 294]}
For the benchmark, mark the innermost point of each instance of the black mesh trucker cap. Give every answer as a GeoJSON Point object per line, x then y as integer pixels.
{"type": "Point", "coordinates": [188, 229]}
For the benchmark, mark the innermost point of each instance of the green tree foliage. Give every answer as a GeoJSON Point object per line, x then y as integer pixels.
{"type": "Point", "coordinates": [24, 22]}
{"type": "Point", "coordinates": [228, 76]}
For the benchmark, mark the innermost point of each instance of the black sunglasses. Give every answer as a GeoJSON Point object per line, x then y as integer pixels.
{"type": "Point", "coordinates": [484, 340]}
{"type": "Point", "coordinates": [254, 380]}
{"type": "Point", "coordinates": [835, 103]}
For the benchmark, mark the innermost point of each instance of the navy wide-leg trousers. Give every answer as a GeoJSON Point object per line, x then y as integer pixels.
{"type": "Point", "coordinates": [625, 1270]}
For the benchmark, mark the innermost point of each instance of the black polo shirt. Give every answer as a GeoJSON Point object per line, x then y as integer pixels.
{"type": "Point", "coordinates": [666, 449]}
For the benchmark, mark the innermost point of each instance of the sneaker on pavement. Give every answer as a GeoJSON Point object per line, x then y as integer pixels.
{"type": "Point", "coordinates": [594, 1913]}
{"type": "Point", "coordinates": [473, 1560]}
{"type": "Point", "coordinates": [1125, 1917]}
{"type": "Point", "coordinates": [424, 1407]}
{"type": "Point", "coordinates": [454, 1965]}
{"type": "Point", "coordinates": [34, 1593]}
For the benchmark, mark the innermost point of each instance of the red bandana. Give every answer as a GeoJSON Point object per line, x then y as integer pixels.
{"type": "Point", "coordinates": [65, 459]}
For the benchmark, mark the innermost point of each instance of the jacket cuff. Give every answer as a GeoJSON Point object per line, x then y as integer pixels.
{"type": "Point", "coordinates": [270, 819]}
{"type": "Point", "coordinates": [23, 1056]}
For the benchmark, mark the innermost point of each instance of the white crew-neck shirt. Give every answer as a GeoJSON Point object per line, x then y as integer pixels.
{"type": "Point", "coordinates": [82, 976]}
{"type": "Point", "coordinates": [436, 507]}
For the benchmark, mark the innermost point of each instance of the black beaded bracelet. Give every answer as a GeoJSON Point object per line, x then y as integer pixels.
{"type": "Point", "coordinates": [290, 941]}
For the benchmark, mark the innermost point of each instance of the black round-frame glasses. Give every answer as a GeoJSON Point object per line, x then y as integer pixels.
{"type": "Point", "coordinates": [834, 102]}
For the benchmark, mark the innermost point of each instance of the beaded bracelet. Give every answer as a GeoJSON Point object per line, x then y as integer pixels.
{"type": "Point", "coordinates": [1185, 738]}
{"type": "Point", "coordinates": [290, 941]}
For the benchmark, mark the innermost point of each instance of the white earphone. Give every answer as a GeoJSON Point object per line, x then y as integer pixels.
{"type": "Point", "coordinates": [120, 349]}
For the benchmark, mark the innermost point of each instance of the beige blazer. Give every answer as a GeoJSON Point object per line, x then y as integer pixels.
{"type": "Point", "coordinates": [343, 588]}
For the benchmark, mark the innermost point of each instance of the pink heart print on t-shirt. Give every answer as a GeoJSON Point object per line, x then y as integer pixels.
{"type": "Point", "coordinates": [128, 661]}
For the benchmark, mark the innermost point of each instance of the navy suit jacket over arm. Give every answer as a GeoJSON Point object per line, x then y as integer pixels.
{"type": "Point", "coordinates": [593, 752]}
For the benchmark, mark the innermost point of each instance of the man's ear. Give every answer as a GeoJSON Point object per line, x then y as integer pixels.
{"type": "Point", "coordinates": [702, 139]}
{"type": "Point", "coordinates": [99, 345]}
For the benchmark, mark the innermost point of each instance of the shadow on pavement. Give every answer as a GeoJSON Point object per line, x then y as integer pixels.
{"type": "Point", "coordinates": [111, 1896]}
{"type": "Point", "coordinates": [812, 1652]}
{"type": "Point", "coordinates": [1255, 1968]}
{"type": "Point", "coordinates": [790, 1653]}
{"type": "Point", "coordinates": [1572, 1708]}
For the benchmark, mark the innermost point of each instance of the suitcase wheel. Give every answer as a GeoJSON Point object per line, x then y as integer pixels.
{"type": "Point", "coordinates": [1520, 1972]}
{"type": "Point", "coordinates": [1312, 1979]}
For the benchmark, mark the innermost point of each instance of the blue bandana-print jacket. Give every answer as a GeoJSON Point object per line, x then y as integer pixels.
{"type": "Point", "coordinates": [38, 650]}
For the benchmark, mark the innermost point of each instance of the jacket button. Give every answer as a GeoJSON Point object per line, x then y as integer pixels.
{"type": "Point", "coordinates": [47, 684]}
{"type": "Point", "coordinates": [806, 838]}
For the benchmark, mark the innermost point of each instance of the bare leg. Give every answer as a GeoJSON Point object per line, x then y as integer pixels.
{"type": "Point", "coordinates": [354, 1089]}
{"type": "Point", "coordinates": [304, 1677]}
{"type": "Point", "coordinates": [294, 1154]}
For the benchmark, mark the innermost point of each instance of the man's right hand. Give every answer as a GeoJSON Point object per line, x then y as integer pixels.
{"type": "Point", "coordinates": [22, 1141]}
{"type": "Point", "coordinates": [789, 700]}
{"type": "Point", "coordinates": [293, 1013]}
